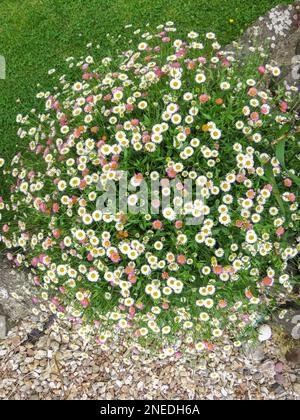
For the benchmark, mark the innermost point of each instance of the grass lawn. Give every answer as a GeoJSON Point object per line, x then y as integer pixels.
{"type": "Point", "coordinates": [36, 35]}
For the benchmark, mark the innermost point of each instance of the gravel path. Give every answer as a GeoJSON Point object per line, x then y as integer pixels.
{"type": "Point", "coordinates": [60, 367]}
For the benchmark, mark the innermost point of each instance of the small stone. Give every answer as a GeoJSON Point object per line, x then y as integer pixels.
{"type": "Point", "coordinates": [243, 387]}
{"type": "Point", "coordinates": [297, 388]}
{"type": "Point", "coordinates": [96, 369]}
{"type": "Point", "coordinates": [2, 327]}
{"type": "Point", "coordinates": [3, 353]}
{"type": "Point", "coordinates": [295, 333]}
{"type": "Point", "coordinates": [255, 353]}
{"type": "Point", "coordinates": [30, 352]}
{"type": "Point", "coordinates": [41, 354]}
{"type": "Point", "coordinates": [119, 383]}
{"type": "Point", "coordinates": [279, 367]}
{"type": "Point", "coordinates": [281, 379]}
{"type": "Point", "coordinates": [268, 368]}
{"type": "Point", "coordinates": [34, 397]}
{"type": "Point", "coordinates": [265, 333]}
{"type": "Point", "coordinates": [293, 356]}
{"type": "Point", "coordinates": [278, 389]}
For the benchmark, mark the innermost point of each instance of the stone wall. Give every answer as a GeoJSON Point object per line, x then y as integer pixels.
{"type": "Point", "coordinates": [16, 293]}
{"type": "Point", "coordinates": [278, 31]}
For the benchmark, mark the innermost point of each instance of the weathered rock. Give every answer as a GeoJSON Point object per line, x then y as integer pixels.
{"type": "Point", "coordinates": [2, 327]}
{"type": "Point", "coordinates": [267, 368]}
{"type": "Point", "coordinates": [254, 352]}
{"type": "Point", "coordinates": [293, 356]}
{"type": "Point", "coordinates": [297, 389]}
{"type": "Point", "coordinates": [15, 293]}
{"type": "Point", "coordinates": [296, 331]}
{"type": "Point", "coordinates": [277, 24]}
{"type": "Point", "coordinates": [290, 322]}
{"type": "Point", "coordinates": [278, 32]}
{"type": "Point", "coordinates": [287, 55]}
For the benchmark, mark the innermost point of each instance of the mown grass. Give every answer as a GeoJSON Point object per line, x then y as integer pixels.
{"type": "Point", "coordinates": [36, 35]}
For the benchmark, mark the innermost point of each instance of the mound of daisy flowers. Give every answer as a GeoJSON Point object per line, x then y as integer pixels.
{"type": "Point", "coordinates": [168, 108]}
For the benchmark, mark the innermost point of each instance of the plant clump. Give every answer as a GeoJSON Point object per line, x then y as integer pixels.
{"type": "Point", "coordinates": [167, 110]}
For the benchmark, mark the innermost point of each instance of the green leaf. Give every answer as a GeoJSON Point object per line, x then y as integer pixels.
{"type": "Point", "coordinates": [207, 116]}
{"type": "Point", "coordinates": [280, 152]}
{"type": "Point", "coordinates": [271, 179]}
